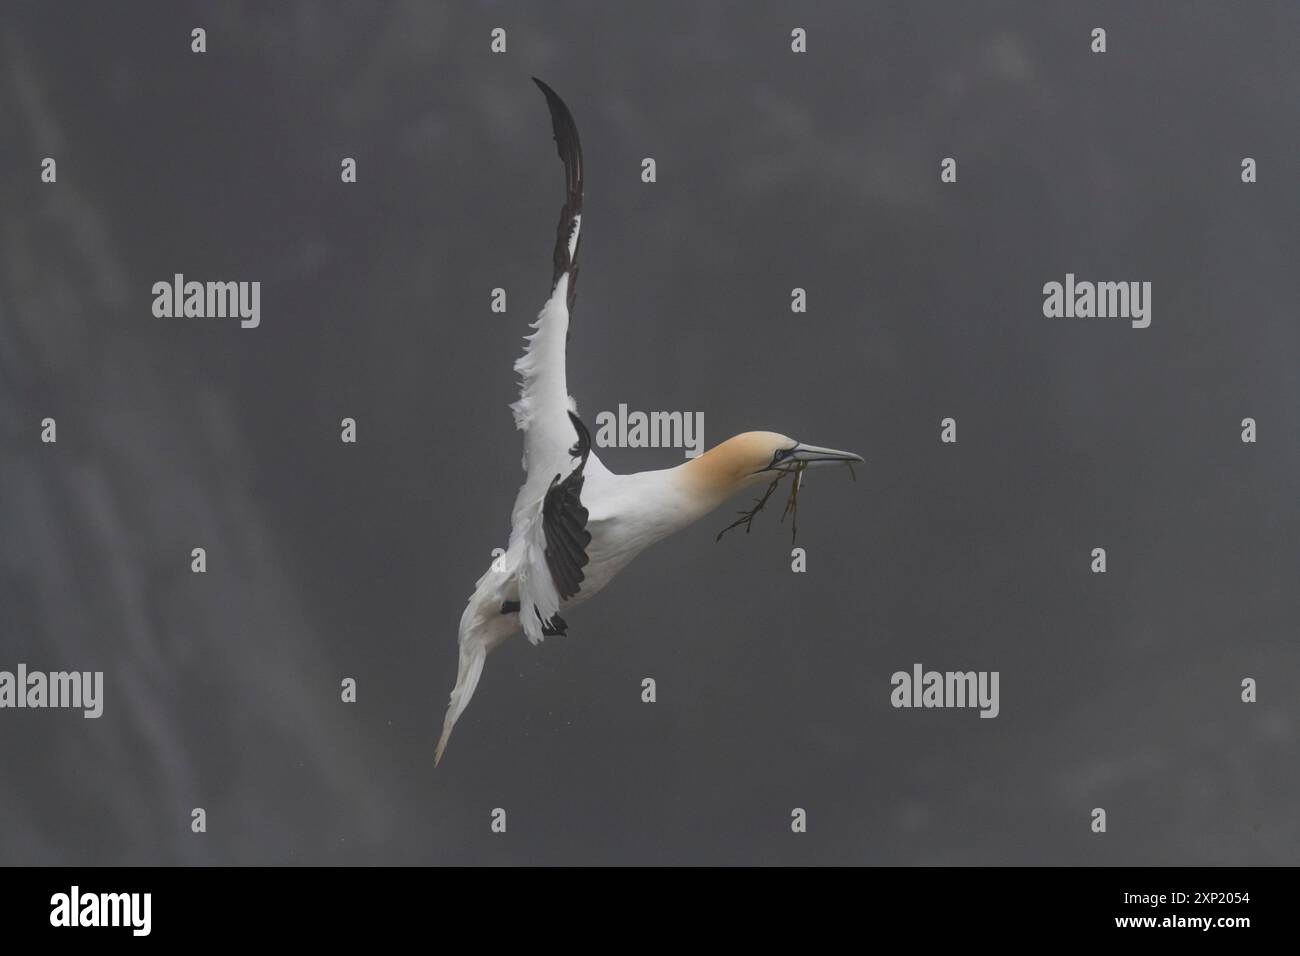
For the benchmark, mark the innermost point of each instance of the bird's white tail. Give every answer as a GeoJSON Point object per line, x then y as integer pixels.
{"type": "Point", "coordinates": [472, 655]}
{"type": "Point", "coordinates": [482, 627]}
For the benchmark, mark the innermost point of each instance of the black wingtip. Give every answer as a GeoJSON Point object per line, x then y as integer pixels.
{"type": "Point", "coordinates": [567, 144]}
{"type": "Point", "coordinates": [553, 101]}
{"type": "Point", "coordinates": [565, 131]}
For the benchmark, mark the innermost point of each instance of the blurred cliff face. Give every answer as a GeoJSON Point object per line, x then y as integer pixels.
{"type": "Point", "coordinates": [217, 693]}
{"type": "Point", "coordinates": [328, 561]}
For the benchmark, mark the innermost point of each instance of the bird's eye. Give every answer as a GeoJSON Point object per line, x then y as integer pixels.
{"type": "Point", "coordinates": [780, 453]}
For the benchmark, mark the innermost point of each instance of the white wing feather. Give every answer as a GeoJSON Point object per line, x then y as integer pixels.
{"type": "Point", "coordinates": [542, 413]}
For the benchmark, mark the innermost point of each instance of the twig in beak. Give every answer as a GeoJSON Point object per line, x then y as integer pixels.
{"type": "Point", "coordinates": [792, 503]}
{"type": "Point", "coordinates": [747, 517]}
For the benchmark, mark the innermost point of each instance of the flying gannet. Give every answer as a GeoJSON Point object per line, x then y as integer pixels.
{"type": "Point", "coordinates": [575, 523]}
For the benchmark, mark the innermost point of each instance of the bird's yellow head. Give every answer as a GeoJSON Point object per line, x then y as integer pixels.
{"type": "Point", "coordinates": [751, 457]}
{"type": "Point", "coordinates": [754, 457]}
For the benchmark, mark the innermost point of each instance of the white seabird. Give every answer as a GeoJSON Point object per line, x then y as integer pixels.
{"type": "Point", "coordinates": [575, 523]}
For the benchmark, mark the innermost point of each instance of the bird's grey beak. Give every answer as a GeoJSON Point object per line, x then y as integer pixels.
{"type": "Point", "coordinates": [813, 455]}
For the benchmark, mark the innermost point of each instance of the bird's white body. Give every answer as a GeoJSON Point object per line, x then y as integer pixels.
{"type": "Point", "coordinates": [626, 514]}
{"type": "Point", "coordinates": [575, 524]}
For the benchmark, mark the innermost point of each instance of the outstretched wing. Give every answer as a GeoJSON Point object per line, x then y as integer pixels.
{"type": "Point", "coordinates": [549, 522]}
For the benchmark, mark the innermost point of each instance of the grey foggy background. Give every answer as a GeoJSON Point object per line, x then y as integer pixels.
{"type": "Point", "coordinates": [775, 170]}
